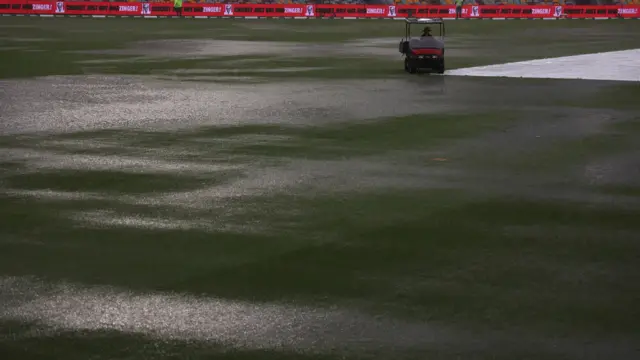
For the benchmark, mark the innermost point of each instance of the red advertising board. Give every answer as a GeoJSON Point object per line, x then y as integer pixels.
{"type": "Point", "coordinates": [29, 7]}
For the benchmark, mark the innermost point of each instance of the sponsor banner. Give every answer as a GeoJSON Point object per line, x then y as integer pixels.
{"type": "Point", "coordinates": [374, 10]}
{"type": "Point", "coordinates": [465, 10]}
{"type": "Point", "coordinates": [295, 10]}
{"type": "Point", "coordinates": [262, 10]}
{"type": "Point", "coordinates": [628, 11]}
{"type": "Point", "coordinates": [541, 11]}
{"type": "Point", "coordinates": [129, 9]}
{"type": "Point", "coordinates": [378, 11]}
{"type": "Point", "coordinates": [42, 7]}
{"type": "Point", "coordinates": [319, 10]}
{"type": "Point", "coordinates": [213, 10]}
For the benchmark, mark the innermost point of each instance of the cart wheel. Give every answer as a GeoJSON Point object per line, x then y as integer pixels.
{"type": "Point", "coordinates": [407, 67]}
{"type": "Point", "coordinates": [440, 68]}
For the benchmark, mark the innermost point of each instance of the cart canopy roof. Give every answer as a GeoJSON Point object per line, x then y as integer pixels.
{"type": "Point", "coordinates": [424, 21]}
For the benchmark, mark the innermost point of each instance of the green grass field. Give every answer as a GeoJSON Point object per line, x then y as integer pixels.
{"type": "Point", "coordinates": [269, 173]}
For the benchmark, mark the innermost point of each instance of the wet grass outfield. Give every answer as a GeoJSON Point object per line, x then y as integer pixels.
{"type": "Point", "coordinates": [256, 189]}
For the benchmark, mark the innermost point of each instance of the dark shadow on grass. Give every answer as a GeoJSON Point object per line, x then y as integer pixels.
{"type": "Point", "coordinates": [414, 132]}
{"type": "Point", "coordinates": [459, 264]}
{"type": "Point", "coordinates": [116, 181]}
{"type": "Point", "coordinates": [45, 241]}
{"type": "Point", "coordinates": [28, 341]}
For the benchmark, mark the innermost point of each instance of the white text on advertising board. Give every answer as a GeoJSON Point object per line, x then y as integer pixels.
{"type": "Point", "coordinates": [293, 10]}
{"type": "Point", "coordinates": [541, 11]}
{"type": "Point", "coordinates": [628, 11]}
{"type": "Point", "coordinates": [212, 9]}
{"type": "Point", "coordinates": [41, 7]}
{"type": "Point", "coordinates": [453, 11]}
{"type": "Point", "coordinates": [127, 8]}
{"type": "Point", "coordinates": [375, 11]}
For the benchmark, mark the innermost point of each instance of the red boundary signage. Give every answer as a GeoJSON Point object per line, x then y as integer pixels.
{"type": "Point", "coordinates": [144, 9]}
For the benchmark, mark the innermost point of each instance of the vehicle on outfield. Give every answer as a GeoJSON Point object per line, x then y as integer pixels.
{"type": "Point", "coordinates": [425, 52]}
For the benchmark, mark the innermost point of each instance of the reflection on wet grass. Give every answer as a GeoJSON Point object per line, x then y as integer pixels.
{"type": "Point", "coordinates": [481, 259]}
{"type": "Point", "coordinates": [349, 213]}
{"type": "Point", "coordinates": [435, 255]}
{"type": "Point", "coordinates": [414, 132]}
